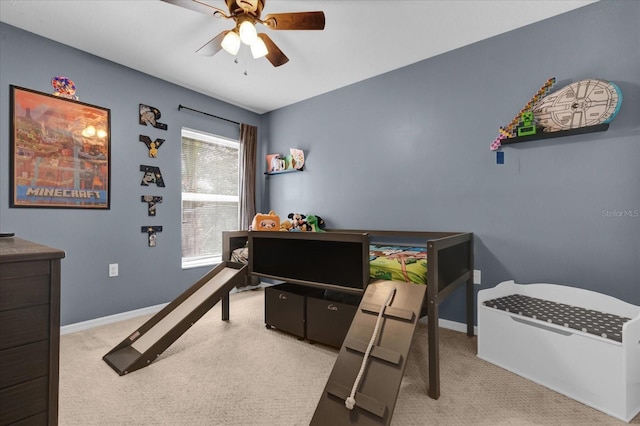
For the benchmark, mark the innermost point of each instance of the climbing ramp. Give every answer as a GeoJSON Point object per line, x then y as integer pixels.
{"type": "Point", "coordinates": [388, 312]}
{"type": "Point", "coordinates": [145, 344]}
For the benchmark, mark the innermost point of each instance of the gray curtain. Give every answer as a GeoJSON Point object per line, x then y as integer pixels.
{"type": "Point", "coordinates": [248, 152]}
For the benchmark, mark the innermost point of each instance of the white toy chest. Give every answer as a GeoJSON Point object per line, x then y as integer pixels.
{"type": "Point", "coordinates": [583, 344]}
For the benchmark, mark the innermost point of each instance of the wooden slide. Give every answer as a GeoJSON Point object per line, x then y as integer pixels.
{"type": "Point", "coordinates": [145, 344]}
{"type": "Point", "coordinates": [377, 390]}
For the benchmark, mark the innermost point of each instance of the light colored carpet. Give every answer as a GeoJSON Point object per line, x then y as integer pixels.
{"type": "Point", "coordinates": [240, 373]}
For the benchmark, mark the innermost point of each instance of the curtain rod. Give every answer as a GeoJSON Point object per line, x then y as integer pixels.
{"type": "Point", "coordinates": [210, 115]}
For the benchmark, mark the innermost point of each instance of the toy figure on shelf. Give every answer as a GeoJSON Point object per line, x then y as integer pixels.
{"type": "Point", "coordinates": [298, 221]}
{"type": "Point", "coordinates": [297, 156]}
{"type": "Point", "coordinates": [285, 225]}
{"type": "Point", "coordinates": [64, 87]}
{"type": "Point", "coordinates": [509, 131]}
{"type": "Point", "coordinates": [266, 222]}
{"type": "Point", "coordinates": [528, 127]}
{"type": "Point", "coordinates": [580, 104]}
{"type": "Point", "coordinates": [315, 223]}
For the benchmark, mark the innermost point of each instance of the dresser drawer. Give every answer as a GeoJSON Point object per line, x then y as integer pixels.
{"type": "Point", "coordinates": [24, 363]}
{"type": "Point", "coordinates": [11, 270]}
{"type": "Point", "coordinates": [24, 400]}
{"type": "Point", "coordinates": [24, 291]}
{"type": "Point", "coordinates": [328, 321]}
{"type": "Point", "coordinates": [285, 308]}
{"type": "Point", "coordinates": [22, 326]}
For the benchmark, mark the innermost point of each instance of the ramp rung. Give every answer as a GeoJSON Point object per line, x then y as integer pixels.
{"type": "Point", "coordinates": [389, 312]}
{"type": "Point", "coordinates": [365, 402]}
{"type": "Point", "coordinates": [379, 352]}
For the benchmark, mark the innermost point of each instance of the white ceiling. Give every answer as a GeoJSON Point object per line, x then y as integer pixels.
{"type": "Point", "coordinates": [361, 39]}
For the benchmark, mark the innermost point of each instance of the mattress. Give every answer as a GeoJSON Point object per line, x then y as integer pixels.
{"type": "Point", "coordinates": [398, 263]}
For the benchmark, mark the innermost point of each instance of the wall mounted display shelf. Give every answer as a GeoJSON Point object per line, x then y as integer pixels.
{"type": "Point", "coordinates": [279, 172]}
{"type": "Point", "coordinates": [542, 135]}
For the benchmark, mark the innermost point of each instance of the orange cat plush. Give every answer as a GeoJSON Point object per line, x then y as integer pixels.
{"type": "Point", "coordinates": [266, 222]}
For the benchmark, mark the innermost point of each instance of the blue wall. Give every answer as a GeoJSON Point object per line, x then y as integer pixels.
{"type": "Point", "coordinates": [410, 150]}
{"type": "Point", "coordinates": [94, 239]}
{"type": "Point", "coordinates": [405, 150]}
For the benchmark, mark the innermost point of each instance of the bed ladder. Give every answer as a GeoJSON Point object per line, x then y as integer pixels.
{"type": "Point", "coordinates": [378, 389]}
{"type": "Point", "coordinates": [145, 344]}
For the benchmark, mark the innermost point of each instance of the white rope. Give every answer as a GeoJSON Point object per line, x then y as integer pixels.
{"type": "Point", "coordinates": [350, 402]}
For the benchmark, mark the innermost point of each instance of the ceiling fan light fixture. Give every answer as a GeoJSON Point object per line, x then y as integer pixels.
{"type": "Point", "coordinates": [248, 33]}
{"type": "Point", "coordinates": [231, 42]}
{"type": "Point", "coordinates": [259, 49]}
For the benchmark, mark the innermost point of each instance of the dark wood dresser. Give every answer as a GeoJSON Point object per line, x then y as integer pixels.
{"type": "Point", "coordinates": [29, 332]}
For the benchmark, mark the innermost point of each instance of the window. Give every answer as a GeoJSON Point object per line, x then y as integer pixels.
{"type": "Point", "coordinates": [210, 201]}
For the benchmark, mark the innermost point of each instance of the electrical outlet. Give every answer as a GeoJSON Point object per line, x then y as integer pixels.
{"type": "Point", "coordinates": [113, 269]}
{"type": "Point", "coordinates": [477, 277]}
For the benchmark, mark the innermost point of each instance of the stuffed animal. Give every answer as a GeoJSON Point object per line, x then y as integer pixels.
{"type": "Point", "coordinates": [285, 225]}
{"type": "Point", "coordinates": [266, 222]}
{"type": "Point", "coordinates": [298, 221]}
{"type": "Point", "coordinates": [314, 223]}
{"type": "Point", "coordinates": [321, 223]}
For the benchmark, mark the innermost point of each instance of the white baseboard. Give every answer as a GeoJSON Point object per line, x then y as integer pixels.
{"type": "Point", "coordinates": [456, 326]}
{"type": "Point", "coordinates": [85, 325]}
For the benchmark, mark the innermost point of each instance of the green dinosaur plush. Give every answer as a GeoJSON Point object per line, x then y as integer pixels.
{"type": "Point", "coordinates": [316, 223]}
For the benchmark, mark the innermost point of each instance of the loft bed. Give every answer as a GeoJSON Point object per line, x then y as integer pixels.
{"type": "Point", "coordinates": [339, 260]}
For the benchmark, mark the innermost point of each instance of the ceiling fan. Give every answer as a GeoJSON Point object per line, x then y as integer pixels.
{"type": "Point", "coordinates": [246, 14]}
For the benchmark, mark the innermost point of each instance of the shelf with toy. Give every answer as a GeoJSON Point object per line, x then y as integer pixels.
{"type": "Point", "coordinates": [278, 164]}
{"type": "Point", "coordinates": [592, 102]}
{"type": "Point", "coordinates": [547, 135]}
{"type": "Point", "coordinates": [279, 172]}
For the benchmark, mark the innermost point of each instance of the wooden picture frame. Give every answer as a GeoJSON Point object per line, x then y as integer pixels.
{"type": "Point", "coordinates": [60, 152]}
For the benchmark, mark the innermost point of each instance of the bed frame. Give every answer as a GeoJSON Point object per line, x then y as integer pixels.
{"type": "Point", "coordinates": [449, 265]}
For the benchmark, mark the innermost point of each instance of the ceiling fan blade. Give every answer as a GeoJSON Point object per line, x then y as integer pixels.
{"type": "Point", "coordinates": [295, 21]}
{"type": "Point", "coordinates": [197, 6]}
{"type": "Point", "coordinates": [213, 46]}
{"type": "Point", "coordinates": [275, 55]}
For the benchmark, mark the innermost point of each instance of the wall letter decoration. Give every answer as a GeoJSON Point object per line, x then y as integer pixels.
{"type": "Point", "coordinates": [151, 175]}
{"type": "Point", "coordinates": [149, 115]}
{"type": "Point", "coordinates": [151, 145]}
{"type": "Point", "coordinates": [152, 201]}
{"type": "Point", "coordinates": [151, 232]}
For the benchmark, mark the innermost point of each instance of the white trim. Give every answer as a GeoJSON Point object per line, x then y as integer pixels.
{"type": "Point", "coordinates": [97, 322]}
{"type": "Point", "coordinates": [456, 326]}
{"type": "Point", "coordinates": [196, 196]}
{"type": "Point", "coordinates": [198, 261]}
{"type": "Point", "coordinates": [210, 138]}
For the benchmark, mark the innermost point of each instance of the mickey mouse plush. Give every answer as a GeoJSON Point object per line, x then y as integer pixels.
{"type": "Point", "coordinates": [298, 221]}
